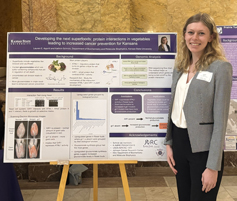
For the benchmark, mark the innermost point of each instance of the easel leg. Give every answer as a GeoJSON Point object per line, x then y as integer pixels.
{"type": "Point", "coordinates": [125, 181]}
{"type": "Point", "coordinates": [63, 183]}
{"type": "Point", "coordinates": [95, 182]}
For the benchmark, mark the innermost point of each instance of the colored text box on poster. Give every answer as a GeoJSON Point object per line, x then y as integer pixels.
{"type": "Point", "coordinates": [123, 104]}
{"type": "Point", "coordinates": [134, 83]}
{"type": "Point", "coordinates": [135, 76]}
{"type": "Point", "coordinates": [141, 62]}
{"type": "Point", "coordinates": [156, 104]}
{"type": "Point", "coordinates": [134, 69]}
{"type": "Point", "coordinates": [163, 125]}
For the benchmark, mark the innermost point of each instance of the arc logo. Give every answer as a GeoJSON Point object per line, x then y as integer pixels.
{"type": "Point", "coordinates": [150, 142]}
{"type": "Point", "coordinates": [20, 42]}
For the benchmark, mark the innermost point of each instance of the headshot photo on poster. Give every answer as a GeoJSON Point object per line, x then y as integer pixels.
{"type": "Point", "coordinates": [164, 43]}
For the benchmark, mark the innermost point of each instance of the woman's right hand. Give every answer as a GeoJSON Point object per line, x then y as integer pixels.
{"type": "Point", "coordinates": [170, 158]}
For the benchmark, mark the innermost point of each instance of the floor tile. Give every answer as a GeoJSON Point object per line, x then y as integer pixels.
{"type": "Point", "coordinates": [232, 190]}
{"type": "Point", "coordinates": [28, 194]}
{"type": "Point", "coordinates": [159, 193]}
{"type": "Point", "coordinates": [229, 181]}
{"type": "Point", "coordinates": [110, 189]}
{"type": "Point", "coordinates": [45, 195]}
{"type": "Point", "coordinates": [108, 182]}
{"type": "Point", "coordinates": [160, 199]}
{"type": "Point", "coordinates": [226, 199]}
{"type": "Point", "coordinates": [155, 181]}
{"type": "Point", "coordinates": [170, 181]}
{"type": "Point", "coordinates": [77, 194]}
{"type": "Point", "coordinates": [108, 194]}
{"type": "Point", "coordinates": [223, 195]}
{"type": "Point", "coordinates": [137, 194]}
{"type": "Point", "coordinates": [175, 192]}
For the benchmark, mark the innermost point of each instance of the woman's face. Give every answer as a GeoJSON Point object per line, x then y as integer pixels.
{"type": "Point", "coordinates": [197, 36]}
{"type": "Point", "coordinates": [164, 40]}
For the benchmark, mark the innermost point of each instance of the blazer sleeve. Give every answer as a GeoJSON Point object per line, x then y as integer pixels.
{"type": "Point", "coordinates": [223, 83]}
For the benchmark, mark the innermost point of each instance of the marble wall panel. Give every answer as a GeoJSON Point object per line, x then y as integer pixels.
{"type": "Point", "coordinates": [10, 21]}
{"type": "Point", "coordinates": [21, 170]}
{"type": "Point", "coordinates": [149, 16]}
{"type": "Point", "coordinates": [25, 16]}
{"type": "Point", "coordinates": [78, 16]}
{"type": "Point", "coordinates": [224, 12]}
{"type": "Point", "coordinates": [43, 16]}
{"type": "Point", "coordinates": [109, 170]}
{"type": "Point", "coordinates": [115, 15]}
{"type": "Point", "coordinates": [3, 45]}
{"type": "Point", "coordinates": [179, 11]}
{"type": "Point", "coordinates": [43, 172]}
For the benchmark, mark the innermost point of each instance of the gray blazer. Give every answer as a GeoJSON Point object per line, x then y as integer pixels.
{"type": "Point", "coordinates": [206, 110]}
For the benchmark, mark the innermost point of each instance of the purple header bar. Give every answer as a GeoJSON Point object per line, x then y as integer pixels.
{"type": "Point", "coordinates": [234, 78]}
{"type": "Point", "coordinates": [137, 135]}
{"type": "Point", "coordinates": [58, 90]}
{"type": "Point", "coordinates": [229, 40]}
{"type": "Point", "coordinates": [59, 56]}
{"type": "Point", "coordinates": [147, 56]}
{"type": "Point", "coordinates": [89, 42]}
{"type": "Point", "coordinates": [140, 90]}
{"type": "Point", "coordinates": [227, 30]}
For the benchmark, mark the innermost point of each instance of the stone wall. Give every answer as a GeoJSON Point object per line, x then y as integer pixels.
{"type": "Point", "coordinates": [120, 15]}
{"type": "Point", "coordinates": [10, 21]}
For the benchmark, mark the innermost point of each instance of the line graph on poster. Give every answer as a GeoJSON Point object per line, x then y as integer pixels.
{"type": "Point", "coordinates": [89, 117]}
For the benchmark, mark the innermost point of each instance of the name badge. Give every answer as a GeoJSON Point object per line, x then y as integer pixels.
{"type": "Point", "coordinates": [205, 76]}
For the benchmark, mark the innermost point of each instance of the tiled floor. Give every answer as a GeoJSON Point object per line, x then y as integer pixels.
{"type": "Point", "coordinates": [110, 189]}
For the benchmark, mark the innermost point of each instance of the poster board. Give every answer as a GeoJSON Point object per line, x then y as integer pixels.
{"type": "Point", "coordinates": [74, 96]}
{"type": "Point", "coordinates": [228, 35]}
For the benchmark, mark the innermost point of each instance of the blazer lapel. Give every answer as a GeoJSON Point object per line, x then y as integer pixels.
{"type": "Point", "coordinates": [175, 80]}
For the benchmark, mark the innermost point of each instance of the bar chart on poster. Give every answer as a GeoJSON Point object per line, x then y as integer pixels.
{"type": "Point", "coordinates": [86, 120]}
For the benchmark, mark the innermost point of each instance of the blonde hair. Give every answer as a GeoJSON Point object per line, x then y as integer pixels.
{"type": "Point", "coordinates": [213, 51]}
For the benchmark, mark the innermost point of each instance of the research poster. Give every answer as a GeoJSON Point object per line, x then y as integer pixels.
{"type": "Point", "coordinates": [228, 35]}
{"type": "Point", "coordinates": [87, 96]}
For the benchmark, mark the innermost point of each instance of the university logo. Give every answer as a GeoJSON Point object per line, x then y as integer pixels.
{"type": "Point", "coordinates": [160, 152]}
{"type": "Point", "coordinates": [219, 30]}
{"type": "Point", "coordinates": [20, 42]}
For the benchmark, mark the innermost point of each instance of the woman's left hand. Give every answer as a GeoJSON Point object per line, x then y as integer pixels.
{"type": "Point", "coordinates": [209, 179]}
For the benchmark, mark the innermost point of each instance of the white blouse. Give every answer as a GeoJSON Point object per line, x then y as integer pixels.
{"type": "Point", "coordinates": [166, 48]}
{"type": "Point", "coordinates": [177, 115]}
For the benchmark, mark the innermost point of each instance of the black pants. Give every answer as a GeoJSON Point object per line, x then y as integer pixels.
{"type": "Point", "coordinates": [190, 167]}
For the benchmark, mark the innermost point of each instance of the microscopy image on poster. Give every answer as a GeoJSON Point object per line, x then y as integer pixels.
{"type": "Point", "coordinates": [21, 129]}
{"type": "Point", "coordinates": [33, 150]}
{"type": "Point", "coordinates": [20, 148]}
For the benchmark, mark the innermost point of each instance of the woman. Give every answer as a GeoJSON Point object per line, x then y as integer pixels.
{"type": "Point", "coordinates": [164, 47]}
{"type": "Point", "coordinates": [198, 113]}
